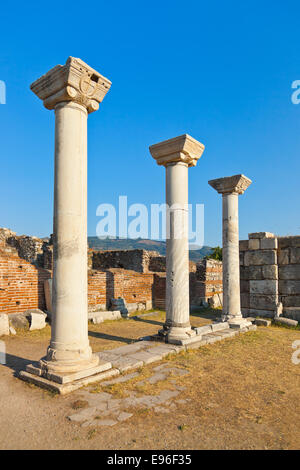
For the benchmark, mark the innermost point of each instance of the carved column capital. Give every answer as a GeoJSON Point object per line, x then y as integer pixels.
{"type": "Point", "coordinates": [75, 81]}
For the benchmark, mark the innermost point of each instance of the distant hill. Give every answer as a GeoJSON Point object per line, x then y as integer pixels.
{"type": "Point", "coordinates": [143, 244]}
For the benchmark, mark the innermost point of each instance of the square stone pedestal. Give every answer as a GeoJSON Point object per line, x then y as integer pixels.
{"type": "Point", "coordinates": [66, 383]}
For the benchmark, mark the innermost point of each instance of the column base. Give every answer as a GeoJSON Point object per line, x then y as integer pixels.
{"type": "Point", "coordinates": [65, 382]}
{"type": "Point", "coordinates": [236, 321]}
{"type": "Point", "coordinates": [177, 334]}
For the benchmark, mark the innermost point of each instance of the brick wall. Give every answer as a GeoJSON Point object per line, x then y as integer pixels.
{"type": "Point", "coordinates": [135, 288]}
{"type": "Point", "coordinates": [21, 284]}
{"type": "Point", "coordinates": [207, 281]}
{"type": "Point", "coordinates": [270, 274]}
{"type": "Point", "coordinates": [26, 262]}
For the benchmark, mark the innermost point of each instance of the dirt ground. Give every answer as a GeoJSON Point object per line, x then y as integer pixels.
{"type": "Point", "coordinates": [240, 393]}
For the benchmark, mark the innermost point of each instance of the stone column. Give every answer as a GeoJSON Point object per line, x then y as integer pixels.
{"type": "Point", "coordinates": [73, 90]}
{"type": "Point", "coordinates": [230, 188]}
{"type": "Point", "coordinates": [177, 155]}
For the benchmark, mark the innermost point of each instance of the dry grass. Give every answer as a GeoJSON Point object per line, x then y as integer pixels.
{"type": "Point", "coordinates": [241, 393]}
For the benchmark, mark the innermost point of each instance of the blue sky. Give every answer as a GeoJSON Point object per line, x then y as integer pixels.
{"type": "Point", "coordinates": [219, 71]}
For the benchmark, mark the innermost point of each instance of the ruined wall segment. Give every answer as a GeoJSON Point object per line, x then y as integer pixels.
{"type": "Point", "coordinates": [135, 260]}
{"type": "Point", "coordinates": [270, 275]}
{"type": "Point", "coordinates": [21, 284]}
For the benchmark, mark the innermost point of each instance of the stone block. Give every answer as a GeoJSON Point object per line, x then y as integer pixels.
{"type": "Point", "coordinates": [292, 312]}
{"type": "Point", "coordinates": [255, 272]}
{"type": "Point", "coordinates": [262, 313]}
{"type": "Point", "coordinates": [19, 320]}
{"type": "Point", "coordinates": [270, 271]}
{"type": "Point", "coordinates": [286, 242]}
{"type": "Point", "coordinates": [196, 344]}
{"type": "Point", "coordinates": [242, 258]}
{"type": "Point", "coordinates": [100, 317]}
{"type": "Point", "coordinates": [243, 245]}
{"type": "Point", "coordinates": [283, 256]}
{"type": "Point", "coordinates": [268, 244]}
{"type": "Point", "coordinates": [262, 322]}
{"type": "Point", "coordinates": [4, 324]}
{"type": "Point", "coordinates": [291, 271]}
{"type": "Point", "coordinates": [219, 326]}
{"type": "Point", "coordinates": [211, 338]}
{"type": "Point", "coordinates": [260, 257]}
{"type": "Point", "coordinates": [290, 300]}
{"type": "Point", "coordinates": [289, 287]}
{"type": "Point", "coordinates": [286, 321]}
{"type": "Point", "coordinates": [295, 255]}
{"type": "Point", "coordinates": [63, 389]}
{"type": "Point", "coordinates": [252, 328]}
{"type": "Point", "coordinates": [202, 330]}
{"type": "Point", "coordinates": [244, 272]}
{"type": "Point", "coordinates": [37, 321]}
{"type": "Point", "coordinates": [263, 302]}
{"type": "Point", "coordinates": [264, 287]}
{"type": "Point", "coordinates": [146, 356]}
{"type": "Point", "coordinates": [254, 244]}
{"type": "Point", "coordinates": [244, 286]}
{"type": "Point", "coordinates": [261, 235]}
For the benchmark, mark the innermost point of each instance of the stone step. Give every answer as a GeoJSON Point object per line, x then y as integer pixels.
{"type": "Point", "coordinates": [63, 389]}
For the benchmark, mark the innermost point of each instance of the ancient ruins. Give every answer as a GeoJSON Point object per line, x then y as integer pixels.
{"type": "Point", "coordinates": [72, 284]}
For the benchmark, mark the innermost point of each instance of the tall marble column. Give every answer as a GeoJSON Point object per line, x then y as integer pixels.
{"type": "Point", "coordinates": [73, 90]}
{"type": "Point", "coordinates": [230, 188]}
{"type": "Point", "coordinates": [177, 155]}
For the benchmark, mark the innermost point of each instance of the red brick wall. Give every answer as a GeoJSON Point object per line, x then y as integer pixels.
{"type": "Point", "coordinates": [21, 284]}
{"type": "Point", "coordinates": [132, 286]}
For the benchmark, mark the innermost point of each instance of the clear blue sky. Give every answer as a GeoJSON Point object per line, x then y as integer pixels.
{"type": "Point", "coordinates": [219, 71]}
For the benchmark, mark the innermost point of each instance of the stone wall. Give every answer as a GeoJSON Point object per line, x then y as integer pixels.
{"type": "Point", "coordinates": [135, 288]}
{"type": "Point", "coordinates": [206, 281]}
{"type": "Point", "coordinates": [135, 260]}
{"type": "Point", "coordinates": [26, 262]}
{"type": "Point", "coordinates": [21, 284]}
{"type": "Point", "coordinates": [270, 275]}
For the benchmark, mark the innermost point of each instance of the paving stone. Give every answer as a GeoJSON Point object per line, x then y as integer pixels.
{"type": "Point", "coordinates": [145, 356]}
{"type": "Point", "coordinates": [83, 415]}
{"type": "Point", "coordinates": [123, 416]}
{"type": "Point", "coordinates": [123, 378]}
{"type": "Point", "coordinates": [210, 338]}
{"type": "Point", "coordinates": [160, 409]}
{"type": "Point", "coordinates": [132, 348]}
{"type": "Point", "coordinates": [102, 422]}
{"type": "Point", "coordinates": [197, 344]}
{"type": "Point", "coordinates": [127, 363]}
